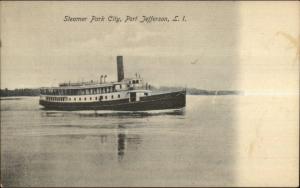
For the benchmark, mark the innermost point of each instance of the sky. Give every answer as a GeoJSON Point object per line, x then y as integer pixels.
{"type": "Point", "coordinates": [249, 46]}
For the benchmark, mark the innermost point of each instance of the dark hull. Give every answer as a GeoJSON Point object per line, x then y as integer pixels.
{"type": "Point", "coordinates": [173, 100]}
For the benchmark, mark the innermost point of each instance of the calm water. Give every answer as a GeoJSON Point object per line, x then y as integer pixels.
{"type": "Point", "coordinates": [88, 148]}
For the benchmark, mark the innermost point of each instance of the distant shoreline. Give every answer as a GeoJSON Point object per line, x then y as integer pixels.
{"type": "Point", "coordinates": [196, 91]}
{"type": "Point", "coordinates": [22, 92]}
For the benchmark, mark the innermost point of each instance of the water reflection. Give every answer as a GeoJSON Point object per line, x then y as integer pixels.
{"type": "Point", "coordinates": [121, 145]}
{"type": "Point", "coordinates": [127, 141]}
{"type": "Point", "coordinates": [120, 114]}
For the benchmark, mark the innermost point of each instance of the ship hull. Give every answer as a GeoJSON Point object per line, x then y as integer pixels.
{"type": "Point", "coordinates": [172, 100]}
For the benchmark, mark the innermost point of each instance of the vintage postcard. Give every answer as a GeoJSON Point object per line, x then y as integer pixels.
{"type": "Point", "coordinates": [150, 93]}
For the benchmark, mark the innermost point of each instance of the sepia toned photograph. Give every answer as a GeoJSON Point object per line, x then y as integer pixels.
{"type": "Point", "coordinates": [149, 94]}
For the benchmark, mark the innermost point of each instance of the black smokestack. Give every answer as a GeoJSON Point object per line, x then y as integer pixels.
{"type": "Point", "coordinates": [120, 68]}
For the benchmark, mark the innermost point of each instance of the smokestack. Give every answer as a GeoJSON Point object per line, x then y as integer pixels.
{"type": "Point", "coordinates": [120, 68]}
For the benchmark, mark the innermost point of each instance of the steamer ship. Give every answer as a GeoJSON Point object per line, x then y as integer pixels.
{"type": "Point", "coordinates": [125, 94]}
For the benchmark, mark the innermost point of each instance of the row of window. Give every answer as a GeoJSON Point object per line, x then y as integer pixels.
{"type": "Point", "coordinates": [90, 91]}
{"type": "Point", "coordinates": [134, 82]}
{"type": "Point", "coordinates": [100, 98]}
{"type": "Point", "coordinates": [56, 98]}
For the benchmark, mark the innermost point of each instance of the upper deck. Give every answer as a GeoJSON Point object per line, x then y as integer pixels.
{"type": "Point", "coordinates": [100, 87]}
{"type": "Point", "coordinates": [89, 88]}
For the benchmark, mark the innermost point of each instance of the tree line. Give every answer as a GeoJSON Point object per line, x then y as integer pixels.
{"type": "Point", "coordinates": [19, 92]}
{"type": "Point", "coordinates": [191, 91]}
